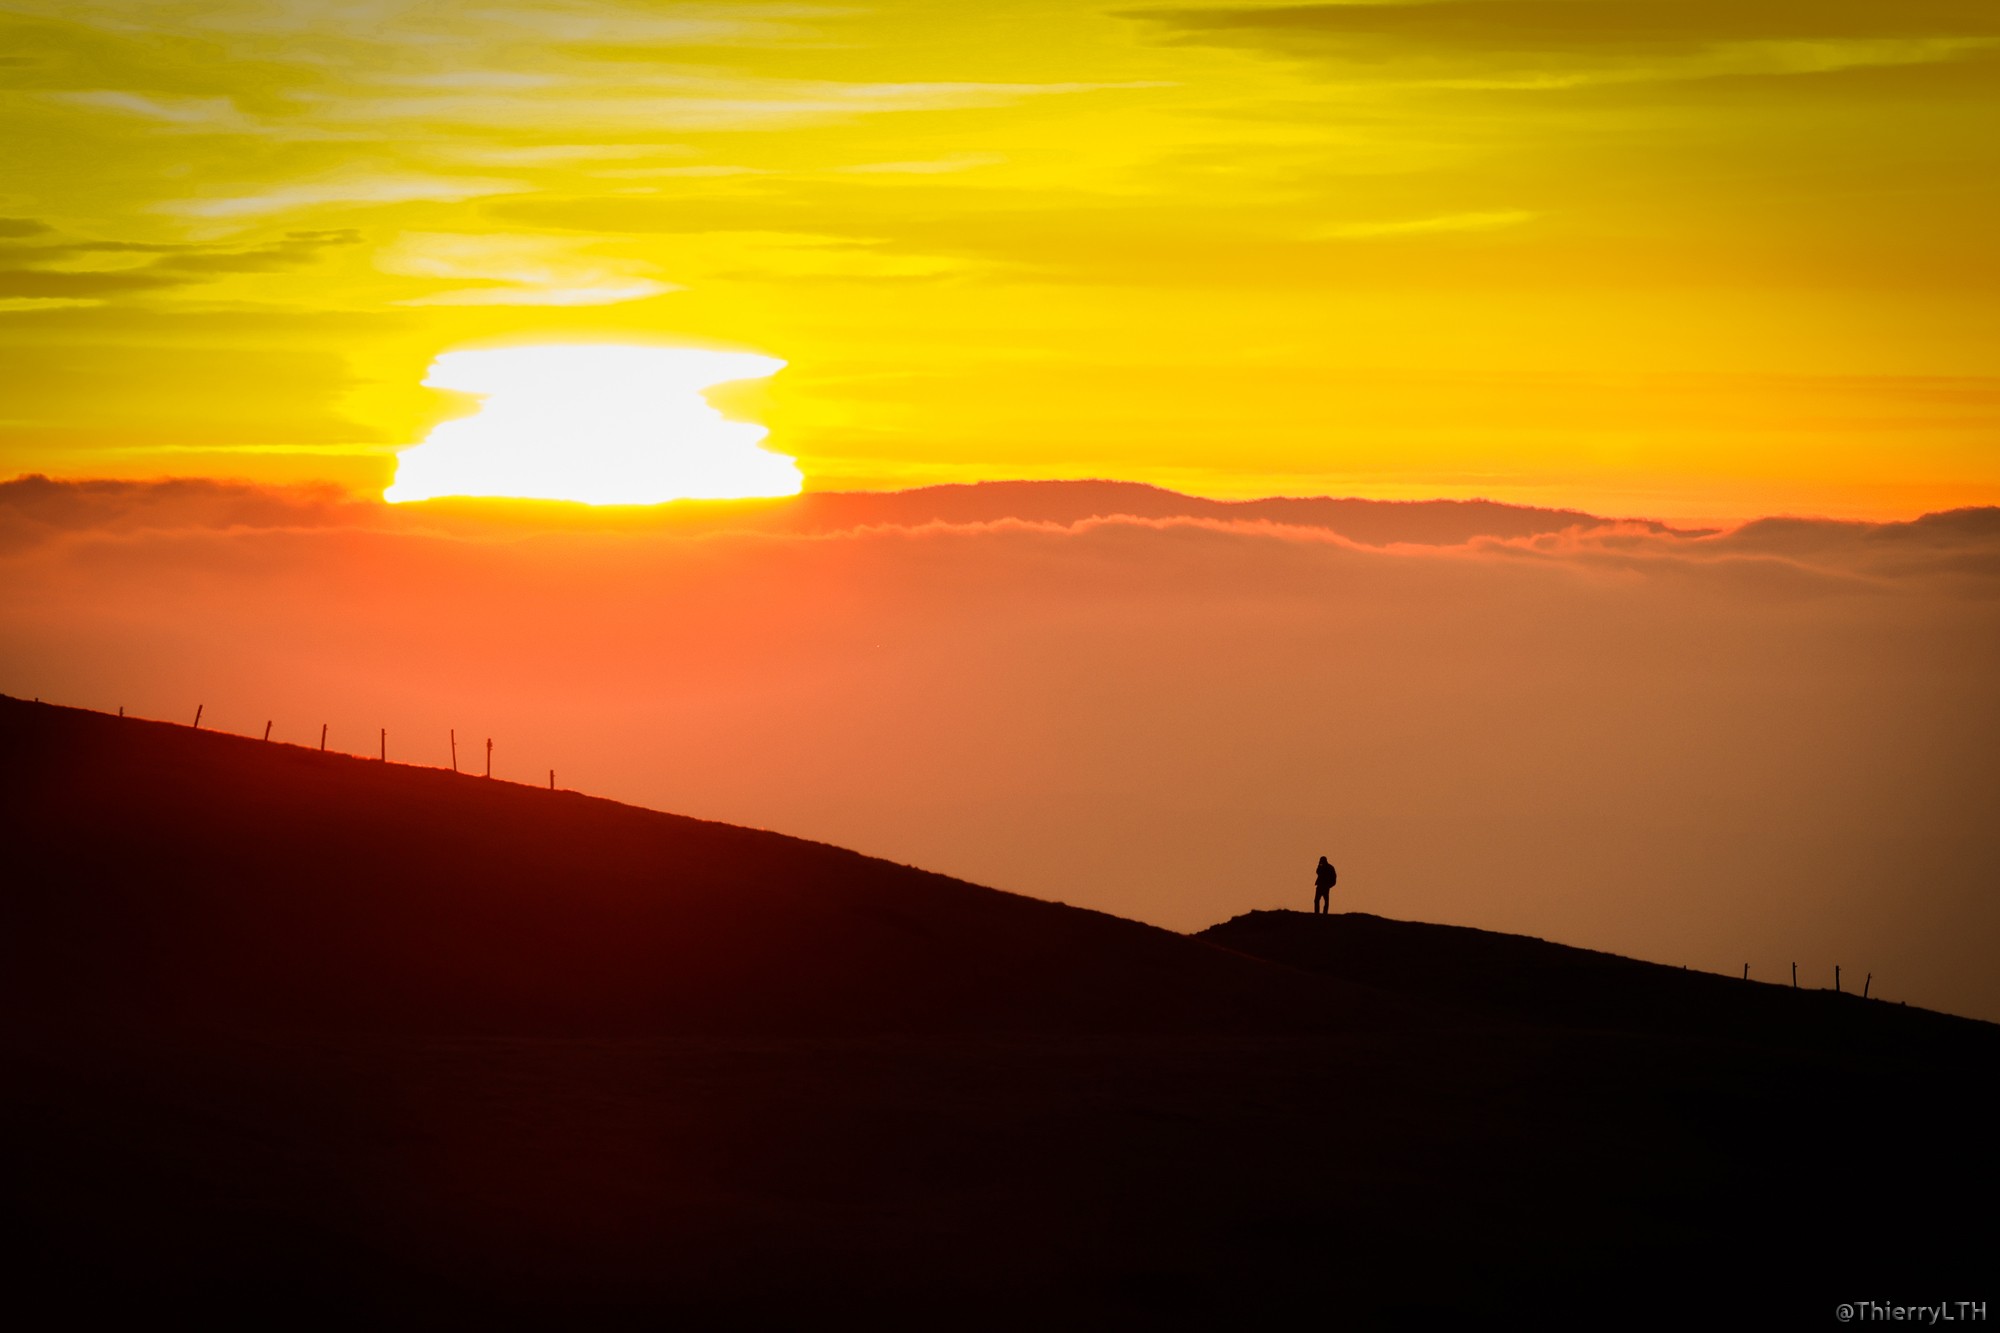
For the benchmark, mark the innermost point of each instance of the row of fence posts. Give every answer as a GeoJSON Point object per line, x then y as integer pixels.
{"type": "Point", "coordinates": [1866, 981]}
{"type": "Point", "coordinates": [384, 742]}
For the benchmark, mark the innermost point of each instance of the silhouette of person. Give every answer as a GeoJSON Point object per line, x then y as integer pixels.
{"type": "Point", "coordinates": [1323, 880]}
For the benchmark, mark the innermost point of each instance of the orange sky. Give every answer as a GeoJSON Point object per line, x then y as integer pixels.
{"type": "Point", "coordinates": [1672, 257]}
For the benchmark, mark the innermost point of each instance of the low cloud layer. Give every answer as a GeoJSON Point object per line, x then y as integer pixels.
{"type": "Point", "coordinates": [1764, 745]}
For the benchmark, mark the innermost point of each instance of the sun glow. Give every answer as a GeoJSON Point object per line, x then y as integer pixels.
{"type": "Point", "coordinates": [597, 423]}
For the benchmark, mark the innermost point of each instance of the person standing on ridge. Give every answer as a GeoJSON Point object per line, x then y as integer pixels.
{"type": "Point", "coordinates": [1323, 880]}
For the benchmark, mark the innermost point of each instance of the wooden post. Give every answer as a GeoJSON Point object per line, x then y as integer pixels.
{"type": "Point", "coordinates": [1836, 978]}
{"type": "Point", "coordinates": [322, 738]}
{"type": "Point", "coordinates": [267, 731]}
{"type": "Point", "coordinates": [197, 714]}
{"type": "Point", "coordinates": [1865, 983]}
{"type": "Point", "coordinates": [454, 750]}
{"type": "Point", "coordinates": [1795, 976]}
{"type": "Point", "coordinates": [121, 710]}
{"type": "Point", "coordinates": [552, 779]}
{"type": "Point", "coordinates": [385, 745]}
{"type": "Point", "coordinates": [489, 756]}
{"type": "Point", "coordinates": [1746, 971]}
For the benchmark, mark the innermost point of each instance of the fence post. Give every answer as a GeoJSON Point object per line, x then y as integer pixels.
{"type": "Point", "coordinates": [1795, 976]}
{"type": "Point", "coordinates": [1865, 982]}
{"type": "Point", "coordinates": [489, 756]}
{"type": "Point", "coordinates": [454, 750]}
{"type": "Point", "coordinates": [322, 738]}
{"type": "Point", "coordinates": [1836, 978]}
{"type": "Point", "coordinates": [267, 731]}
{"type": "Point", "coordinates": [197, 714]}
{"type": "Point", "coordinates": [552, 779]}
{"type": "Point", "coordinates": [385, 745]}
{"type": "Point", "coordinates": [121, 710]}
{"type": "Point", "coordinates": [1746, 971]}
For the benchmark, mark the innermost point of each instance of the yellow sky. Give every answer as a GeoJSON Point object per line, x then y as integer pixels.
{"type": "Point", "coordinates": [1679, 257]}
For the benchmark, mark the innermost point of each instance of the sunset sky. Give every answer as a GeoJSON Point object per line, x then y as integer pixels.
{"type": "Point", "coordinates": [1681, 258]}
{"type": "Point", "coordinates": [1714, 283]}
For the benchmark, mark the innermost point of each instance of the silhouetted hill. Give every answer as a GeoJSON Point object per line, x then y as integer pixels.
{"type": "Point", "coordinates": [296, 1038]}
{"type": "Point", "coordinates": [192, 872]}
{"type": "Point", "coordinates": [1521, 980]}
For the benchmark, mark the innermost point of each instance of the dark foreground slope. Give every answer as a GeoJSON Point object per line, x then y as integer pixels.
{"type": "Point", "coordinates": [314, 1039]}
{"type": "Point", "coordinates": [1520, 981]}
{"type": "Point", "coordinates": [253, 884]}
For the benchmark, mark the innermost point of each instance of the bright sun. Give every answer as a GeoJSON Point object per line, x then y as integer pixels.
{"type": "Point", "coordinates": [599, 423]}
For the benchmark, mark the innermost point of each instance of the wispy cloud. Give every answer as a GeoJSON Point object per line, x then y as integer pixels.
{"type": "Point", "coordinates": [217, 114]}
{"type": "Point", "coordinates": [1448, 222]}
{"type": "Point", "coordinates": [389, 22]}
{"type": "Point", "coordinates": [344, 191]}
{"type": "Point", "coordinates": [940, 166]}
{"type": "Point", "coordinates": [1558, 45]}
{"type": "Point", "coordinates": [558, 154]}
{"type": "Point", "coordinates": [1540, 26]}
{"type": "Point", "coordinates": [517, 270]}
{"type": "Point", "coordinates": [703, 103]}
